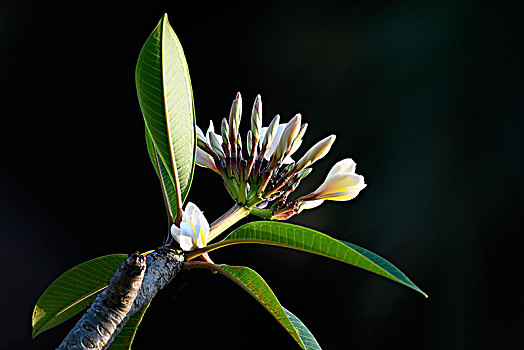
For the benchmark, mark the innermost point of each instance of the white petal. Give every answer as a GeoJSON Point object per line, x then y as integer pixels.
{"type": "Point", "coordinates": [187, 230]}
{"type": "Point", "coordinates": [211, 127]}
{"type": "Point", "coordinates": [276, 140]}
{"type": "Point", "coordinates": [346, 166]}
{"type": "Point", "coordinates": [188, 212]}
{"type": "Point", "coordinates": [200, 240]}
{"type": "Point", "coordinates": [340, 183]}
{"type": "Point", "coordinates": [295, 148]}
{"type": "Point", "coordinates": [186, 243]}
{"type": "Point", "coordinates": [200, 134]}
{"type": "Point", "coordinates": [287, 160]}
{"type": "Point", "coordinates": [311, 204]}
{"type": "Point", "coordinates": [175, 232]}
{"type": "Point", "coordinates": [205, 160]}
{"type": "Point", "coordinates": [205, 225]}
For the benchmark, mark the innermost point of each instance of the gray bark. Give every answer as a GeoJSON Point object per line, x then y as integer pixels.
{"type": "Point", "coordinates": [111, 310]}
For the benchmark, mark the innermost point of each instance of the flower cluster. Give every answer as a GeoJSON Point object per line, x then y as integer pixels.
{"type": "Point", "coordinates": [267, 175]}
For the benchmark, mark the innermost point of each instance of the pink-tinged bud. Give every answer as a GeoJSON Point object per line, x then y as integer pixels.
{"type": "Point", "coordinates": [318, 151]}
{"type": "Point", "coordinates": [283, 214]}
{"type": "Point", "coordinates": [203, 159]}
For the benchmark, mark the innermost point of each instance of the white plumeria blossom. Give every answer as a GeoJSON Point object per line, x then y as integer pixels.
{"type": "Point", "coordinates": [194, 229]}
{"type": "Point", "coordinates": [341, 184]}
{"type": "Point", "coordinates": [274, 144]}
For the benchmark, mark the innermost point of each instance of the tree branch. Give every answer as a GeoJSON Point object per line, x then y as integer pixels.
{"type": "Point", "coordinates": [130, 289]}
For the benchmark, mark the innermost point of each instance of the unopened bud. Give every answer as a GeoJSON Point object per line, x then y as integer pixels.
{"type": "Point", "coordinates": [234, 122]}
{"type": "Point", "coordinates": [298, 140]}
{"type": "Point", "coordinates": [256, 118]}
{"type": "Point", "coordinates": [270, 133]}
{"type": "Point", "coordinates": [288, 136]}
{"type": "Point", "coordinates": [319, 150]}
{"type": "Point", "coordinates": [225, 137]}
{"type": "Point", "coordinates": [249, 143]}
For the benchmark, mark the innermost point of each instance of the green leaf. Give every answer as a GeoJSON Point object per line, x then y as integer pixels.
{"type": "Point", "coordinates": [308, 240]}
{"type": "Point", "coordinates": [73, 291]}
{"type": "Point", "coordinates": [255, 285]}
{"type": "Point", "coordinates": [126, 336]}
{"type": "Point", "coordinates": [164, 177]}
{"type": "Point", "coordinates": [166, 100]}
{"type": "Point", "coordinates": [305, 335]}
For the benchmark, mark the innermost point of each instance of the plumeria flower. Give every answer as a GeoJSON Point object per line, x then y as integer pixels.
{"type": "Point", "coordinates": [341, 184]}
{"type": "Point", "coordinates": [193, 232]}
{"type": "Point", "coordinates": [263, 179]}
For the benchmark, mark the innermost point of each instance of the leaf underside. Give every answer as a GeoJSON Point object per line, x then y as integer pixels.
{"type": "Point", "coordinates": [255, 285]}
{"type": "Point", "coordinates": [166, 100]}
{"type": "Point", "coordinates": [126, 336]}
{"type": "Point", "coordinates": [308, 240]}
{"type": "Point", "coordinates": [73, 291]}
{"type": "Point", "coordinates": [164, 177]}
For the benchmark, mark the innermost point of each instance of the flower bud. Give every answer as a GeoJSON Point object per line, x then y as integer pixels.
{"type": "Point", "coordinates": [286, 140]}
{"type": "Point", "coordinates": [256, 118]}
{"type": "Point", "coordinates": [203, 159]}
{"type": "Point", "coordinates": [268, 134]}
{"type": "Point", "coordinates": [318, 151]}
{"type": "Point", "coordinates": [225, 137]}
{"type": "Point", "coordinates": [234, 122]}
{"type": "Point", "coordinates": [249, 143]}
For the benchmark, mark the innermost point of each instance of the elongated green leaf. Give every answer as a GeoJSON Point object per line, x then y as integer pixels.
{"type": "Point", "coordinates": [255, 285]}
{"type": "Point", "coordinates": [308, 240]}
{"type": "Point", "coordinates": [126, 336]}
{"type": "Point", "coordinates": [163, 176]}
{"type": "Point", "coordinates": [305, 335]}
{"type": "Point", "coordinates": [73, 291]}
{"type": "Point", "coordinates": [166, 100]}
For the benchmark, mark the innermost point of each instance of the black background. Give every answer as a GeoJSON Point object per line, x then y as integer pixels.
{"type": "Point", "coordinates": [426, 97]}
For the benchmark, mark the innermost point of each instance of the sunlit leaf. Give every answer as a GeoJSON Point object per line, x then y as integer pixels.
{"type": "Point", "coordinates": [163, 176]}
{"type": "Point", "coordinates": [255, 285]}
{"type": "Point", "coordinates": [126, 336]}
{"type": "Point", "coordinates": [308, 240]}
{"type": "Point", "coordinates": [73, 291]}
{"type": "Point", "coordinates": [166, 100]}
{"type": "Point", "coordinates": [305, 335]}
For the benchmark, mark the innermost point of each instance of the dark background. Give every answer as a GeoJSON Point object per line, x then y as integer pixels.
{"type": "Point", "coordinates": [426, 97]}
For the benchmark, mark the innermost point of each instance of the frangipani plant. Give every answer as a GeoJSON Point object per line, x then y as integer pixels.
{"type": "Point", "coordinates": [260, 175]}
